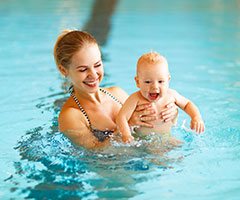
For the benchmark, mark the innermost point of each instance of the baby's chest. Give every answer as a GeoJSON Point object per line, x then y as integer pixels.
{"type": "Point", "coordinates": [159, 105]}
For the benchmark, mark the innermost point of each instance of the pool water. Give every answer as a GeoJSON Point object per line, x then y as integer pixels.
{"type": "Point", "coordinates": [201, 40]}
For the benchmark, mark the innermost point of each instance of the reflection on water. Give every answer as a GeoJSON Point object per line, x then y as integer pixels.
{"type": "Point", "coordinates": [50, 167]}
{"type": "Point", "coordinates": [58, 169]}
{"type": "Point", "coordinates": [53, 168]}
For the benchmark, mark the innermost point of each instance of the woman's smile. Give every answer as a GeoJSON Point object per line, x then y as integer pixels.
{"type": "Point", "coordinates": [91, 83]}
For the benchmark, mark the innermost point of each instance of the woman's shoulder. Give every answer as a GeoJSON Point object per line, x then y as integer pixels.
{"type": "Point", "coordinates": [118, 92]}
{"type": "Point", "coordinates": [71, 117]}
{"type": "Point", "coordinates": [115, 89]}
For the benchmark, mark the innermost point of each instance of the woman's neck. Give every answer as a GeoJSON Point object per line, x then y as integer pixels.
{"type": "Point", "coordinates": [91, 97]}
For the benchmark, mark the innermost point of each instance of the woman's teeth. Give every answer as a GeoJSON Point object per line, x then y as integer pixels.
{"type": "Point", "coordinates": [91, 84]}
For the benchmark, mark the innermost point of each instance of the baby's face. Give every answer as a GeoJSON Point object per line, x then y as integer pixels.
{"type": "Point", "coordinates": [153, 80]}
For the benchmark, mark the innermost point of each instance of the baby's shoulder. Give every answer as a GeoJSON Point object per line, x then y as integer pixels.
{"type": "Point", "coordinates": [139, 98]}
{"type": "Point", "coordinates": [134, 99]}
{"type": "Point", "coordinates": [168, 97]}
{"type": "Point", "coordinates": [174, 93]}
{"type": "Point", "coordinates": [171, 91]}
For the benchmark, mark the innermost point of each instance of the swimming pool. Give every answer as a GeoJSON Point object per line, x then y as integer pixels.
{"type": "Point", "coordinates": [201, 43]}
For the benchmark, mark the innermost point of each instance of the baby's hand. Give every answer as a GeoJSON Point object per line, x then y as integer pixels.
{"type": "Point", "coordinates": [197, 125]}
{"type": "Point", "coordinates": [127, 138]}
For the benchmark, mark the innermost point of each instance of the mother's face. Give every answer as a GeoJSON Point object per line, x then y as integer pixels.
{"type": "Point", "coordinates": [86, 69]}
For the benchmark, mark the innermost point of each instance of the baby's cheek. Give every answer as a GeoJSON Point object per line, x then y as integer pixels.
{"type": "Point", "coordinates": [163, 91]}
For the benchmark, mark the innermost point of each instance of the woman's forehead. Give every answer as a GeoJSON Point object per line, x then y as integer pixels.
{"type": "Point", "coordinates": [86, 56]}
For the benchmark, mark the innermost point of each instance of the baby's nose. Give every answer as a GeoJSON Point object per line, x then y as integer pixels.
{"type": "Point", "coordinates": [155, 86]}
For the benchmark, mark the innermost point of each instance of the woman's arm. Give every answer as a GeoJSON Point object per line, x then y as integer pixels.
{"type": "Point", "coordinates": [73, 125]}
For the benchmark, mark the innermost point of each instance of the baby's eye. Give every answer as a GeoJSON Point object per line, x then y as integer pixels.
{"type": "Point", "coordinates": [147, 82]}
{"type": "Point", "coordinates": [161, 81]}
{"type": "Point", "coordinates": [99, 65]}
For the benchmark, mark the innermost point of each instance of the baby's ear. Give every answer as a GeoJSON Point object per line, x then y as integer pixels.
{"type": "Point", "coordinates": [169, 77]}
{"type": "Point", "coordinates": [137, 81]}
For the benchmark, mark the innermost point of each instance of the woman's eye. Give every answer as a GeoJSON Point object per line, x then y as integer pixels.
{"type": "Point", "coordinates": [82, 69]}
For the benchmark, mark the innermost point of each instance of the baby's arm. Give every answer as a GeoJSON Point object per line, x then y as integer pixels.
{"type": "Point", "coordinates": [191, 109]}
{"type": "Point", "coordinates": [124, 115]}
{"type": "Point", "coordinates": [197, 123]}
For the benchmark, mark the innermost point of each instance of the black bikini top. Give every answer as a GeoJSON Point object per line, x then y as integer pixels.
{"type": "Point", "coordinates": [99, 134]}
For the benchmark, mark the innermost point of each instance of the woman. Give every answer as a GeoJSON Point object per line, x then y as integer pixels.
{"type": "Point", "coordinates": [88, 116]}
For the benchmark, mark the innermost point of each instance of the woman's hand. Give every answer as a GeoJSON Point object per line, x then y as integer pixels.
{"type": "Point", "coordinates": [143, 115]}
{"type": "Point", "coordinates": [170, 112]}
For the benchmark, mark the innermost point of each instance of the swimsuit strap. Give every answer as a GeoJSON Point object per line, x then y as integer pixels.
{"type": "Point", "coordinates": [81, 108]}
{"type": "Point", "coordinates": [109, 94]}
{"type": "Point", "coordinates": [84, 112]}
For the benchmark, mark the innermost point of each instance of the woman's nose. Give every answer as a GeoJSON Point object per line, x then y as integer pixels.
{"type": "Point", "coordinates": [92, 73]}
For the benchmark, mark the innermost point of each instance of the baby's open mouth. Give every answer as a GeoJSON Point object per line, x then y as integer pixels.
{"type": "Point", "coordinates": [153, 96]}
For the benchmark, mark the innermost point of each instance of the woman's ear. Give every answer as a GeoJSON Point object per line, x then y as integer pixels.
{"type": "Point", "coordinates": [137, 81]}
{"type": "Point", "coordinates": [63, 70]}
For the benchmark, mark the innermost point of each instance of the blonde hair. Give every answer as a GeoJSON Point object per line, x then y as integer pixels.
{"type": "Point", "coordinates": [68, 43]}
{"type": "Point", "coordinates": [151, 57]}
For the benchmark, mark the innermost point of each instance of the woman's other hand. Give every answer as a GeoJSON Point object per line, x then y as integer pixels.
{"type": "Point", "coordinates": [143, 115]}
{"type": "Point", "coordinates": [170, 112]}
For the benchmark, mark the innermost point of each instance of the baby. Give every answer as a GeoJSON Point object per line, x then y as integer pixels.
{"type": "Point", "coordinates": [153, 81]}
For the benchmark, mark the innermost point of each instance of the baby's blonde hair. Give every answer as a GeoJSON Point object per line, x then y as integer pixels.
{"type": "Point", "coordinates": [151, 57]}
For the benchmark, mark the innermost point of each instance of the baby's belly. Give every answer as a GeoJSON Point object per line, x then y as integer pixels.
{"type": "Point", "coordinates": [159, 128]}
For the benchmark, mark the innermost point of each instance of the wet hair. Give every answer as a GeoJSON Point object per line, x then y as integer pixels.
{"type": "Point", "coordinates": [151, 57]}
{"type": "Point", "coordinates": [68, 43]}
